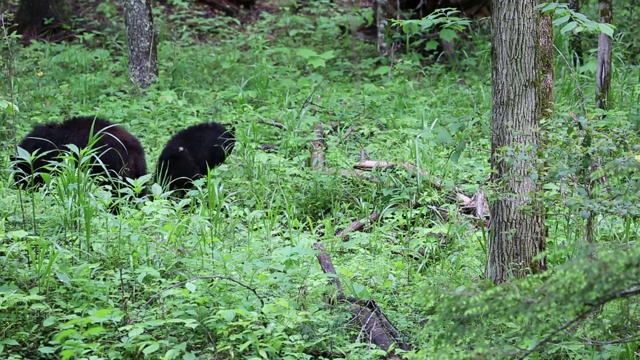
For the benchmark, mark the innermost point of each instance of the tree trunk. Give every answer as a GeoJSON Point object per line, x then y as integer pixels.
{"type": "Point", "coordinates": [603, 73]}
{"type": "Point", "coordinates": [381, 18]}
{"type": "Point", "coordinates": [40, 17]}
{"type": "Point", "coordinates": [546, 65]}
{"type": "Point", "coordinates": [143, 55]}
{"type": "Point", "coordinates": [517, 221]}
{"type": "Point", "coordinates": [575, 44]}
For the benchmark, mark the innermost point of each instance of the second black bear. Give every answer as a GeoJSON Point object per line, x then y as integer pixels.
{"type": "Point", "coordinates": [191, 152]}
{"type": "Point", "coordinates": [120, 152]}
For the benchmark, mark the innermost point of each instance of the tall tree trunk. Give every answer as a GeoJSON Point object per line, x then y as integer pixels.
{"type": "Point", "coordinates": [575, 44]}
{"type": "Point", "coordinates": [605, 43]}
{"type": "Point", "coordinates": [143, 55]}
{"type": "Point", "coordinates": [517, 222]}
{"type": "Point", "coordinates": [40, 17]}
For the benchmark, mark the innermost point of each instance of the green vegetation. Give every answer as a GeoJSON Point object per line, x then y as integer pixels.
{"type": "Point", "coordinates": [230, 272]}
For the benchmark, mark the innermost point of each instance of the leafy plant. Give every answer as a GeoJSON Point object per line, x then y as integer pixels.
{"type": "Point", "coordinates": [443, 20]}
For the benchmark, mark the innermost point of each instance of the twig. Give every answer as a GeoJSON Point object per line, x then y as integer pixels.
{"type": "Point", "coordinates": [267, 147]}
{"type": "Point", "coordinates": [272, 123]}
{"type": "Point", "coordinates": [180, 283]}
{"type": "Point", "coordinates": [345, 136]}
{"type": "Point", "coordinates": [308, 101]}
{"type": "Point", "coordinates": [603, 300]}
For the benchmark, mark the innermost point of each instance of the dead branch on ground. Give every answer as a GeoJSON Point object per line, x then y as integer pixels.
{"type": "Point", "coordinates": [272, 123]}
{"type": "Point", "coordinates": [373, 323]}
{"type": "Point", "coordinates": [357, 225]}
{"type": "Point", "coordinates": [373, 164]}
{"type": "Point", "coordinates": [476, 205]}
{"type": "Point", "coordinates": [317, 148]}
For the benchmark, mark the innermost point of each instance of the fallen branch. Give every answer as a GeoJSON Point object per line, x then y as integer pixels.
{"type": "Point", "coordinates": [375, 325]}
{"type": "Point", "coordinates": [373, 164]}
{"type": "Point", "coordinates": [345, 136]}
{"type": "Point", "coordinates": [357, 225]}
{"type": "Point", "coordinates": [272, 123]}
{"type": "Point", "coordinates": [317, 148]}
{"type": "Point", "coordinates": [267, 147]}
{"type": "Point", "coordinates": [476, 205]}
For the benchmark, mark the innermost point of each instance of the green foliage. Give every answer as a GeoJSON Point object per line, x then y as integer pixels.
{"type": "Point", "coordinates": [574, 22]}
{"type": "Point", "coordinates": [229, 271]}
{"type": "Point", "coordinates": [588, 298]}
{"type": "Point", "coordinates": [444, 21]}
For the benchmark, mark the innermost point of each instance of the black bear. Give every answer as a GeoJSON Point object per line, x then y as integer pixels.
{"type": "Point", "coordinates": [120, 152]}
{"type": "Point", "coordinates": [191, 152]}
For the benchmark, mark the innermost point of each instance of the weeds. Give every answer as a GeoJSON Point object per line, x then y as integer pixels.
{"type": "Point", "coordinates": [160, 279]}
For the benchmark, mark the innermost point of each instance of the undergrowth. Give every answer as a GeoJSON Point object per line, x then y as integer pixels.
{"type": "Point", "coordinates": [229, 271]}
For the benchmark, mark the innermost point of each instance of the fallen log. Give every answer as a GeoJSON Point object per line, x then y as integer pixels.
{"type": "Point", "coordinates": [376, 326]}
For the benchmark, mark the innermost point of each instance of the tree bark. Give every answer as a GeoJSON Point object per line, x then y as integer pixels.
{"type": "Point", "coordinates": [546, 66]}
{"type": "Point", "coordinates": [143, 55]}
{"type": "Point", "coordinates": [575, 44]}
{"type": "Point", "coordinates": [381, 18]}
{"type": "Point", "coordinates": [605, 43]}
{"type": "Point", "coordinates": [517, 221]}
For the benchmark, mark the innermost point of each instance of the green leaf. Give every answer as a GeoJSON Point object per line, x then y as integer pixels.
{"type": "Point", "coordinates": [94, 330]}
{"type": "Point", "coordinates": [102, 313]}
{"type": "Point", "coordinates": [306, 53]}
{"type": "Point", "coordinates": [444, 137]}
{"type": "Point", "coordinates": [448, 34]}
{"type": "Point", "coordinates": [228, 315]}
{"type": "Point", "coordinates": [327, 55]}
{"type": "Point", "coordinates": [382, 70]}
{"type": "Point", "coordinates": [569, 27]}
{"type": "Point", "coordinates": [64, 278]}
{"type": "Point", "coordinates": [410, 27]}
{"type": "Point", "coordinates": [23, 154]}
{"type": "Point", "coordinates": [431, 45]}
{"type": "Point", "coordinates": [607, 29]}
{"type": "Point", "coordinates": [50, 321]}
{"type": "Point", "coordinates": [426, 24]}
{"type": "Point", "coordinates": [8, 107]}
{"type": "Point", "coordinates": [47, 350]}
{"type": "Point", "coordinates": [561, 20]}
{"type": "Point", "coordinates": [457, 152]}
{"type": "Point", "coordinates": [151, 348]}
{"type": "Point", "coordinates": [135, 332]}
{"type": "Point", "coordinates": [547, 6]}
{"type": "Point", "coordinates": [317, 62]}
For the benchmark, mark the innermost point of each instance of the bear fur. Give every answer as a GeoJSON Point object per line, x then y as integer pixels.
{"type": "Point", "coordinates": [119, 151]}
{"type": "Point", "coordinates": [191, 152]}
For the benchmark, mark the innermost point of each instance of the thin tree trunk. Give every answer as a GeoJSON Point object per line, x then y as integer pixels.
{"type": "Point", "coordinates": [517, 222]}
{"type": "Point", "coordinates": [143, 56]}
{"type": "Point", "coordinates": [381, 18]}
{"type": "Point", "coordinates": [546, 65]}
{"type": "Point", "coordinates": [575, 44]}
{"type": "Point", "coordinates": [605, 43]}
